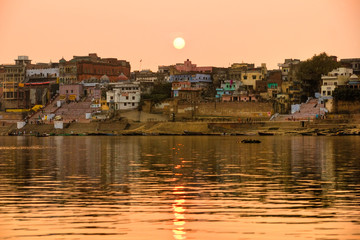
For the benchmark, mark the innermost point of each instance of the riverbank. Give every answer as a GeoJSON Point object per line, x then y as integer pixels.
{"type": "Point", "coordinates": [126, 127]}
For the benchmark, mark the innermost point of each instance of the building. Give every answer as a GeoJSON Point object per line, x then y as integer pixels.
{"type": "Point", "coordinates": [82, 68]}
{"type": "Point", "coordinates": [247, 73]}
{"type": "Point", "coordinates": [249, 77]}
{"type": "Point", "coordinates": [187, 66]}
{"type": "Point", "coordinates": [71, 92]}
{"type": "Point", "coordinates": [291, 85]}
{"type": "Point", "coordinates": [227, 90]}
{"type": "Point", "coordinates": [286, 67]}
{"type": "Point", "coordinates": [353, 63]}
{"type": "Point", "coordinates": [219, 75]}
{"type": "Point", "coordinates": [123, 96]}
{"type": "Point", "coordinates": [144, 76]}
{"type": "Point", "coordinates": [13, 75]}
{"type": "Point", "coordinates": [179, 85]}
{"type": "Point", "coordinates": [337, 77]}
{"type": "Point", "coordinates": [41, 83]}
{"type": "Point", "coordinates": [42, 71]}
{"type": "Point", "coordinates": [181, 77]}
{"type": "Point", "coordinates": [67, 72]}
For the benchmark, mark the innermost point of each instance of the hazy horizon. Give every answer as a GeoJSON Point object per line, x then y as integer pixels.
{"type": "Point", "coordinates": [216, 33]}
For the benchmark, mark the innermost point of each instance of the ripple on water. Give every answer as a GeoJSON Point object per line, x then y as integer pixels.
{"type": "Point", "coordinates": [180, 188]}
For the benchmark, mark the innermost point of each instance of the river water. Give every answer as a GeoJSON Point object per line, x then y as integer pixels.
{"type": "Point", "coordinates": [179, 187]}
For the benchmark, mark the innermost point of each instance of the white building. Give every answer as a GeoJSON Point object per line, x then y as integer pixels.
{"type": "Point", "coordinates": [123, 96]}
{"type": "Point", "coordinates": [336, 77]}
{"type": "Point", "coordinates": [43, 72]}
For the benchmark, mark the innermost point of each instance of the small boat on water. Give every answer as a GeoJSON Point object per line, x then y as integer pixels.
{"type": "Point", "coordinates": [307, 134]}
{"type": "Point", "coordinates": [320, 134]}
{"type": "Point", "coordinates": [250, 141]}
{"type": "Point", "coordinates": [42, 135]}
{"type": "Point", "coordinates": [265, 133]}
{"type": "Point", "coordinates": [192, 133]}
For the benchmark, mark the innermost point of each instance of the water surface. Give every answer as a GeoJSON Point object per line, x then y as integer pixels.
{"type": "Point", "coordinates": [186, 187]}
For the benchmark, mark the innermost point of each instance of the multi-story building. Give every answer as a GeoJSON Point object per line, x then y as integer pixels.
{"type": "Point", "coordinates": [250, 76]}
{"type": "Point", "coordinates": [187, 66]}
{"type": "Point", "coordinates": [333, 79]}
{"type": "Point", "coordinates": [42, 71]}
{"type": "Point", "coordinates": [67, 72]}
{"type": "Point", "coordinates": [82, 68]}
{"type": "Point", "coordinates": [71, 92]}
{"type": "Point", "coordinates": [123, 96]}
{"type": "Point", "coordinates": [291, 85]}
{"type": "Point", "coordinates": [13, 77]}
{"type": "Point", "coordinates": [219, 75]}
{"type": "Point", "coordinates": [186, 91]}
{"type": "Point", "coordinates": [353, 63]}
{"type": "Point", "coordinates": [41, 83]}
{"type": "Point", "coordinates": [144, 76]}
{"type": "Point", "coordinates": [227, 90]}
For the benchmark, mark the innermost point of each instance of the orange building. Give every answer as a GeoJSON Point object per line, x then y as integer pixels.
{"type": "Point", "coordinates": [82, 68]}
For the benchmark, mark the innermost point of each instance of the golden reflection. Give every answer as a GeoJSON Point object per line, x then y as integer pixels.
{"type": "Point", "coordinates": [179, 232]}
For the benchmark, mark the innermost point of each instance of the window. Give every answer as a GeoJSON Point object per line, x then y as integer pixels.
{"type": "Point", "coordinates": [72, 91]}
{"type": "Point", "coordinates": [67, 91]}
{"type": "Point", "coordinates": [124, 104]}
{"type": "Point", "coordinates": [328, 93]}
{"type": "Point", "coordinates": [133, 104]}
{"type": "Point", "coordinates": [133, 98]}
{"type": "Point", "coordinates": [324, 93]}
{"type": "Point", "coordinates": [253, 76]}
{"type": "Point", "coordinates": [245, 77]}
{"type": "Point", "coordinates": [127, 98]}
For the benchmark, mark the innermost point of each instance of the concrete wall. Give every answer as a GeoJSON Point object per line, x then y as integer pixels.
{"type": "Point", "coordinates": [223, 109]}
{"type": "Point", "coordinates": [346, 107]}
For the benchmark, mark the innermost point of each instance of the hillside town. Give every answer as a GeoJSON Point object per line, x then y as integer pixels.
{"type": "Point", "coordinates": [91, 89]}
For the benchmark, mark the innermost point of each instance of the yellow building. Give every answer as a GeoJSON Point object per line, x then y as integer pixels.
{"type": "Point", "coordinates": [12, 77]}
{"type": "Point", "coordinates": [250, 76]}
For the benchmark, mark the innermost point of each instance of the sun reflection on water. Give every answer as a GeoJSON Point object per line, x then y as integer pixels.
{"type": "Point", "coordinates": [179, 221]}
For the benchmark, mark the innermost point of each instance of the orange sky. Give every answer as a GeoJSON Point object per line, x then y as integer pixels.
{"type": "Point", "coordinates": [217, 33]}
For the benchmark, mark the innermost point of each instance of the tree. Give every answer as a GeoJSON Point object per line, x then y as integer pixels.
{"type": "Point", "coordinates": [160, 92]}
{"type": "Point", "coordinates": [346, 94]}
{"type": "Point", "coordinates": [310, 71]}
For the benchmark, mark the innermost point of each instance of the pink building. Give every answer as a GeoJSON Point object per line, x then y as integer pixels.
{"type": "Point", "coordinates": [71, 91]}
{"type": "Point", "coordinates": [187, 66]}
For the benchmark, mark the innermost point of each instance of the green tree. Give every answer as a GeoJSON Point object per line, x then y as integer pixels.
{"type": "Point", "coordinates": [346, 94]}
{"type": "Point", "coordinates": [310, 71]}
{"type": "Point", "coordinates": [160, 92]}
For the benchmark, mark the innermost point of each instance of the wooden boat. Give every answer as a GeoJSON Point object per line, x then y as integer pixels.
{"type": "Point", "coordinates": [192, 133]}
{"type": "Point", "coordinates": [265, 134]}
{"type": "Point", "coordinates": [250, 141]}
{"type": "Point", "coordinates": [42, 135]}
{"type": "Point", "coordinates": [307, 134]}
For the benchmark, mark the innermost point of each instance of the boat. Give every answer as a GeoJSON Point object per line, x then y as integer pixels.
{"type": "Point", "coordinates": [250, 141]}
{"type": "Point", "coordinates": [192, 133]}
{"type": "Point", "coordinates": [265, 133]}
{"type": "Point", "coordinates": [42, 135]}
{"type": "Point", "coordinates": [307, 134]}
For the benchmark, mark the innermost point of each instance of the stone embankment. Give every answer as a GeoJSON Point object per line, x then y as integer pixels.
{"type": "Point", "coordinates": [126, 127]}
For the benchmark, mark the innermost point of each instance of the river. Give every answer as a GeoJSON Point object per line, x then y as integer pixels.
{"type": "Point", "coordinates": [179, 187]}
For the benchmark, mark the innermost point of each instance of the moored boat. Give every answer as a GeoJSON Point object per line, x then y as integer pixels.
{"type": "Point", "coordinates": [265, 133]}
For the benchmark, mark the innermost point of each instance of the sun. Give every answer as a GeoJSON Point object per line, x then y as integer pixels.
{"type": "Point", "coordinates": [179, 43]}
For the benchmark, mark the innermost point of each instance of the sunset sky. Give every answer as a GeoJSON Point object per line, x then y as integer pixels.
{"type": "Point", "coordinates": [217, 33]}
